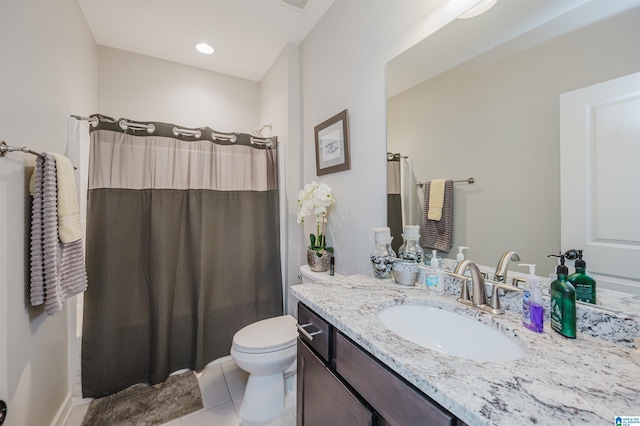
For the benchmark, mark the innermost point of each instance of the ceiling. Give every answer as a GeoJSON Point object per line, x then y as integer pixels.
{"type": "Point", "coordinates": [247, 35]}
{"type": "Point", "coordinates": [522, 23]}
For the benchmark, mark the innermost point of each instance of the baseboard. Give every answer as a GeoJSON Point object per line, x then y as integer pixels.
{"type": "Point", "coordinates": [63, 413]}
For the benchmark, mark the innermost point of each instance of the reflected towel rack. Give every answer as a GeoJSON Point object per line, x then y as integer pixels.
{"type": "Point", "coordinates": [470, 181]}
{"type": "Point", "coordinates": [4, 149]}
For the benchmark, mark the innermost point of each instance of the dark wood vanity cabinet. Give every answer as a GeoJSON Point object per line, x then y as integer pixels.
{"type": "Point", "coordinates": [323, 399]}
{"type": "Point", "coordinates": [341, 384]}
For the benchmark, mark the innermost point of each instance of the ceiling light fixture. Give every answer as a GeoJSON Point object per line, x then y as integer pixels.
{"type": "Point", "coordinates": [204, 48]}
{"type": "Point", "coordinates": [478, 9]}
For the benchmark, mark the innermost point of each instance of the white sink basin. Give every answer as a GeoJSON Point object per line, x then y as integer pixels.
{"type": "Point", "coordinates": [450, 333]}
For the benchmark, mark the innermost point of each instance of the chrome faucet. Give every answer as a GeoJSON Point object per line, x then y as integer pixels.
{"type": "Point", "coordinates": [503, 266]}
{"type": "Point", "coordinates": [479, 295]}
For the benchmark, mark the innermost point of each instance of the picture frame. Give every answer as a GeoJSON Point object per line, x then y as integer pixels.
{"type": "Point", "coordinates": [332, 144]}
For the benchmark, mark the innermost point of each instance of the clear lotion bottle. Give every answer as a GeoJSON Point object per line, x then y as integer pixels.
{"type": "Point", "coordinates": [435, 275]}
{"type": "Point", "coordinates": [563, 302]}
{"type": "Point", "coordinates": [532, 308]}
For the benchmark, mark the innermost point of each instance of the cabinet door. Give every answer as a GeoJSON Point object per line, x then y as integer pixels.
{"type": "Point", "coordinates": [322, 399]}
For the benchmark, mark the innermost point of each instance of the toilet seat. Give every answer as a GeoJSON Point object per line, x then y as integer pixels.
{"type": "Point", "coordinates": [269, 335]}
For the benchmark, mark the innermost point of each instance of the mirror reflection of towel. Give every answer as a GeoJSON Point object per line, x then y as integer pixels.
{"type": "Point", "coordinates": [438, 234]}
{"type": "Point", "coordinates": [436, 199]}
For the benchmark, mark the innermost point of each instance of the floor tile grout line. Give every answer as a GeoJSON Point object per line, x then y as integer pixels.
{"type": "Point", "coordinates": [235, 409]}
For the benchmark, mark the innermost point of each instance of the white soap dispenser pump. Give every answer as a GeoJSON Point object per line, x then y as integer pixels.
{"type": "Point", "coordinates": [460, 255]}
{"type": "Point", "coordinates": [532, 308]}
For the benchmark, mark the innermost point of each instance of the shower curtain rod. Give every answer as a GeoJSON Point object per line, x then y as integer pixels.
{"type": "Point", "coordinates": [177, 131]}
{"type": "Point", "coordinates": [4, 149]}
{"type": "Point", "coordinates": [470, 181]}
{"type": "Point", "coordinates": [92, 120]}
{"type": "Point", "coordinates": [391, 156]}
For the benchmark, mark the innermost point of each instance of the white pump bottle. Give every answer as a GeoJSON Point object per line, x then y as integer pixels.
{"type": "Point", "coordinates": [435, 279]}
{"type": "Point", "coordinates": [532, 308]}
{"type": "Point", "coordinates": [460, 255]}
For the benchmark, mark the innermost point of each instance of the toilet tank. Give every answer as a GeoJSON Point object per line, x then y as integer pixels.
{"type": "Point", "coordinates": [309, 276]}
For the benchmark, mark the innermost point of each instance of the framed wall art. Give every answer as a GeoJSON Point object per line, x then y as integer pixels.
{"type": "Point", "coordinates": [332, 144]}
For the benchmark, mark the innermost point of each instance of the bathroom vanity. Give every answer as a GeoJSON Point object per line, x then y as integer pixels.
{"type": "Point", "coordinates": [355, 371]}
{"type": "Point", "coordinates": [339, 383]}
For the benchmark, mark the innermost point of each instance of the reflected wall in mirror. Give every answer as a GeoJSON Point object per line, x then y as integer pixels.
{"type": "Point", "coordinates": [495, 117]}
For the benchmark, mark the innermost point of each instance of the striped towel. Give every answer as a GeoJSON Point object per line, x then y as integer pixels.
{"type": "Point", "coordinates": [438, 234]}
{"type": "Point", "coordinates": [58, 269]}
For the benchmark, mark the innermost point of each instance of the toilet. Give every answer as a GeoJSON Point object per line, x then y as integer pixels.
{"type": "Point", "coordinates": [267, 351]}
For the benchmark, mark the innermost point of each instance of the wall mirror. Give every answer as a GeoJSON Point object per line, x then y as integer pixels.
{"type": "Point", "coordinates": [480, 98]}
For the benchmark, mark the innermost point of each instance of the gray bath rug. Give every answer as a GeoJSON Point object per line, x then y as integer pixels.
{"type": "Point", "coordinates": [146, 405]}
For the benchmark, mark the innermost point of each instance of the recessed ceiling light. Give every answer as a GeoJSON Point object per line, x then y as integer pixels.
{"type": "Point", "coordinates": [478, 9]}
{"type": "Point", "coordinates": [204, 48]}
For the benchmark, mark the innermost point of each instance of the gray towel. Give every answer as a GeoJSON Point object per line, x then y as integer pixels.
{"type": "Point", "coordinates": [58, 269]}
{"type": "Point", "coordinates": [438, 234]}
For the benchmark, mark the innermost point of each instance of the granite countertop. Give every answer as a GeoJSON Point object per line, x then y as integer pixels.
{"type": "Point", "coordinates": [585, 380]}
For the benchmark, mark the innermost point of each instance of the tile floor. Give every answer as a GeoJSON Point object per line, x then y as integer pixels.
{"type": "Point", "coordinates": [222, 385]}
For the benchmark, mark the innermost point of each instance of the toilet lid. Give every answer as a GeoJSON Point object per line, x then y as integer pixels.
{"type": "Point", "coordinates": [268, 335]}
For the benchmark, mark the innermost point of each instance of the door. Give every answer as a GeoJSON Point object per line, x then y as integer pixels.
{"type": "Point", "coordinates": [322, 398]}
{"type": "Point", "coordinates": [600, 179]}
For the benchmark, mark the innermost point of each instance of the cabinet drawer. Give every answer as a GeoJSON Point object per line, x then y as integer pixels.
{"type": "Point", "coordinates": [316, 331]}
{"type": "Point", "coordinates": [396, 400]}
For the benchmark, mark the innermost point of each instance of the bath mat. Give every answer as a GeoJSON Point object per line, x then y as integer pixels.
{"type": "Point", "coordinates": [147, 405]}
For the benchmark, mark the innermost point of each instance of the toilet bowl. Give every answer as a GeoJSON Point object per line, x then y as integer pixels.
{"type": "Point", "coordinates": [267, 351]}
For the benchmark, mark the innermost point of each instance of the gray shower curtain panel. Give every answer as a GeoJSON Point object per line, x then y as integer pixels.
{"type": "Point", "coordinates": [183, 250]}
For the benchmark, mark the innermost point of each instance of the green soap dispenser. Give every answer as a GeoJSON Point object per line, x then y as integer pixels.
{"type": "Point", "coordinates": [585, 285]}
{"type": "Point", "coordinates": [563, 302]}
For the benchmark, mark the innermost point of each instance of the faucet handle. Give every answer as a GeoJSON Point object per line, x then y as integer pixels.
{"type": "Point", "coordinates": [515, 281]}
{"type": "Point", "coordinates": [495, 300]}
{"type": "Point", "coordinates": [464, 292]}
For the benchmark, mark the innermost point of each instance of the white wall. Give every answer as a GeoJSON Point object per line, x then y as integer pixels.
{"type": "Point", "coordinates": [343, 67]}
{"type": "Point", "coordinates": [48, 71]}
{"type": "Point", "coordinates": [142, 88]}
{"type": "Point", "coordinates": [280, 104]}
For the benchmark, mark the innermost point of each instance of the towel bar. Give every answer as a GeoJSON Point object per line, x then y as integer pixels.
{"type": "Point", "coordinates": [470, 181]}
{"type": "Point", "coordinates": [4, 149]}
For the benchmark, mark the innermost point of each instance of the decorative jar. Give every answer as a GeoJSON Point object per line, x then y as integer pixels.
{"type": "Point", "coordinates": [383, 255]}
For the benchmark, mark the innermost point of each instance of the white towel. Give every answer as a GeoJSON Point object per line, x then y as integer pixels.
{"type": "Point", "coordinates": [436, 199]}
{"type": "Point", "coordinates": [69, 224]}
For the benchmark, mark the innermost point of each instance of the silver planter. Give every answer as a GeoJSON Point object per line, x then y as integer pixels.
{"type": "Point", "coordinates": [318, 263]}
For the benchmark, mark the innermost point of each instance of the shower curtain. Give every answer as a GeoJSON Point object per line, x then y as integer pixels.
{"type": "Point", "coordinates": [407, 191]}
{"type": "Point", "coordinates": [394, 200]}
{"type": "Point", "coordinates": [182, 250]}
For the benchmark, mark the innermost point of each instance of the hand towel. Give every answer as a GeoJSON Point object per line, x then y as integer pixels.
{"type": "Point", "coordinates": [436, 199]}
{"type": "Point", "coordinates": [69, 224]}
{"type": "Point", "coordinates": [57, 269]}
{"type": "Point", "coordinates": [438, 234]}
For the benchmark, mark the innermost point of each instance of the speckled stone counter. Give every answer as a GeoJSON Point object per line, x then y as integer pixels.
{"type": "Point", "coordinates": [559, 381]}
